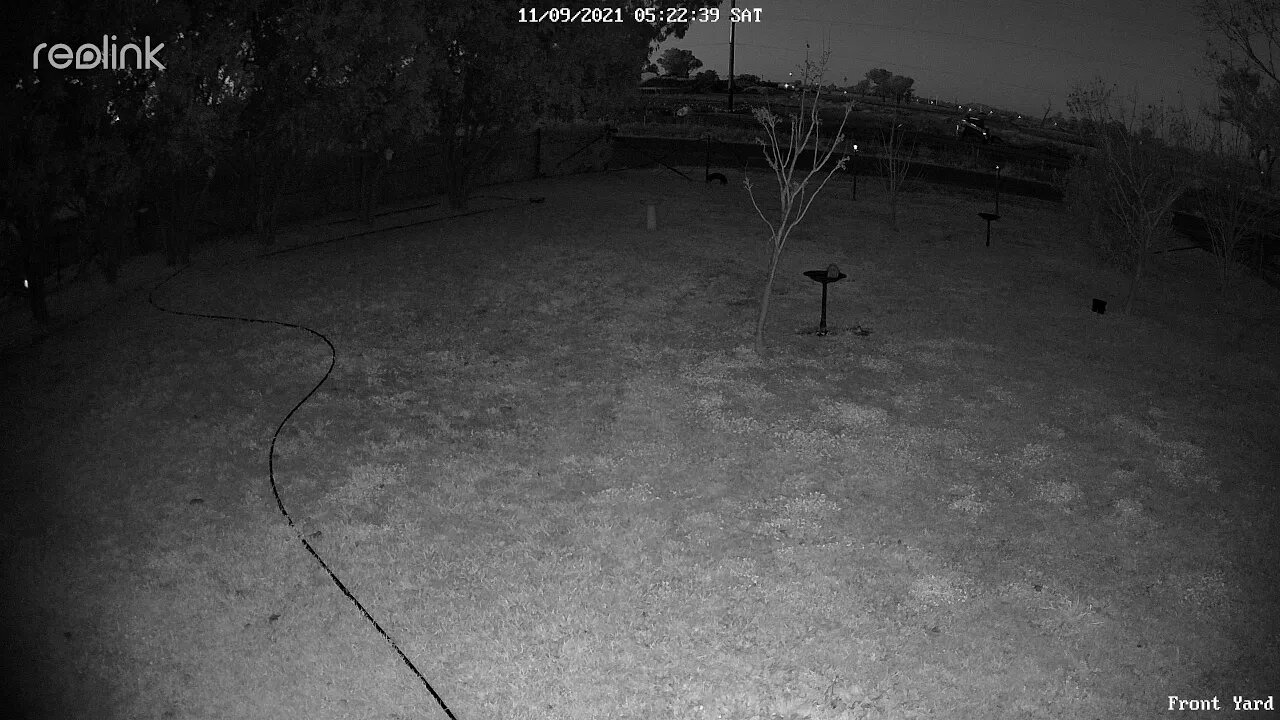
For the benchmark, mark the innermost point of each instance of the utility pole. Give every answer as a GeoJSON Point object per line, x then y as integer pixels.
{"type": "Point", "coordinates": [733, 4]}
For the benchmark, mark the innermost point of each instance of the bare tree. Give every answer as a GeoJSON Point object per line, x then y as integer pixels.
{"type": "Point", "coordinates": [895, 163]}
{"type": "Point", "coordinates": [794, 193]}
{"type": "Point", "coordinates": [1226, 199]}
{"type": "Point", "coordinates": [1126, 186]}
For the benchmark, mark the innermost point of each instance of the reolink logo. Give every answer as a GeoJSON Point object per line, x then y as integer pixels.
{"type": "Point", "coordinates": [108, 56]}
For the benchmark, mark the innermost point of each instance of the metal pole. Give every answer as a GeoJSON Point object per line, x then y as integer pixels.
{"type": "Point", "coordinates": [733, 4]}
{"type": "Point", "coordinates": [998, 169]}
{"type": "Point", "coordinates": [822, 324]}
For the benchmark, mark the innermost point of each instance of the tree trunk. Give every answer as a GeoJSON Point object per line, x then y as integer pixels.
{"type": "Point", "coordinates": [269, 181]}
{"type": "Point", "coordinates": [365, 201]}
{"type": "Point", "coordinates": [764, 300]}
{"type": "Point", "coordinates": [107, 242]}
{"type": "Point", "coordinates": [171, 226]}
{"type": "Point", "coordinates": [372, 168]}
{"type": "Point", "coordinates": [197, 227]}
{"type": "Point", "coordinates": [456, 172]}
{"type": "Point", "coordinates": [1134, 280]}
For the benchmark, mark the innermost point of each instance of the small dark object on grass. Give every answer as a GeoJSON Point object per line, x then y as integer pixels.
{"type": "Point", "coordinates": [536, 199]}
{"type": "Point", "coordinates": [714, 177]}
{"type": "Point", "coordinates": [1100, 306]}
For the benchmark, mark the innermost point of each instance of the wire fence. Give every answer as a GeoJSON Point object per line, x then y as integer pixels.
{"type": "Point", "coordinates": [228, 203]}
{"type": "Point", "coordinates": [336, 183]}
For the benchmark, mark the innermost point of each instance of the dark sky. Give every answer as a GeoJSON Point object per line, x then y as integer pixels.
{"type": "Point", "coordinates": [1014, 54]}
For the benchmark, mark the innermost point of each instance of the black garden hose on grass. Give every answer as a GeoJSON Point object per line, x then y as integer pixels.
{"type": "Point", "coordinates": [333, 358]}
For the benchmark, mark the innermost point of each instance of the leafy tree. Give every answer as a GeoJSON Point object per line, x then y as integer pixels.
{"type": "Point", "coordinates": [862, 87]}
{"type": "Point", "coordinates": [481, 75]}
{"type": "Point", "coordinates": [1247, 104]}
{"type": "Point", "coordinates": [679, 63]}
{"type": "Point", "coordinates": [190, 113]}
{"type": "Point", "coordinates": [286, 117]}
{"type": "Point", "coordinates": [899, 88]}
{"type": "Point", "coordinates": [878, 81]}
{"type": "Point", "coordinates": [66, 135]}
{"type": "Point", "coordinates": [706, 81]}
{"type": "Point", "coordinates": [1249, 78]}
{"type": "Point", "coordinates": [887, 85]}
{"type": "Point", "coordinates": [373, 102]}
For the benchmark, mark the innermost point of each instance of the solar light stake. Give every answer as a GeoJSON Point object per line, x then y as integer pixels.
{"type": "Point", "coordinates": [998, 178]}
{"type": "Point", "coordinates": [855, 181]}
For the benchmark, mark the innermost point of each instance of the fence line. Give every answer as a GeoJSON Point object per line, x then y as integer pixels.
{"type": "Point", "coordinates": [333, 187]}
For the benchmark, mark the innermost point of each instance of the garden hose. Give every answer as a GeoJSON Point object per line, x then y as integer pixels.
{"type": "Point", "coordinates": [333, 357]}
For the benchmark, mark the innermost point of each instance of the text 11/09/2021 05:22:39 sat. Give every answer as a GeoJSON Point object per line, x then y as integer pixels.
{"type": "Point", "coordinates": [644, 15]}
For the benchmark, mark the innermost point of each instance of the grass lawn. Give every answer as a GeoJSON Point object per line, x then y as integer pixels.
{"type": "Point", "coordinates": [548, 464]}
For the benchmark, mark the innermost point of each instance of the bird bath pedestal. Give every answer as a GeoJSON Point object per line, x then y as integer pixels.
{"type": "Point", "coordinates": [826, 277]}
{"type": "Point", "coordinates": [990, 218]}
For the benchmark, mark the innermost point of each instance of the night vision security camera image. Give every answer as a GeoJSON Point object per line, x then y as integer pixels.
{"type": "Point", "coordinates": [484, 360]}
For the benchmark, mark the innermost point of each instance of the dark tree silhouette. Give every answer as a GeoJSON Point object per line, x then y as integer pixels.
{"type": "Point", "coordinates": [484, 76]}
{"type": "Point", "coordinates": [706, 81]}
{"type": "Point", "coordinates": [899, 88]}
{"type": "Point", "coordinates": [280, 81]}
{"type": "Point", "coordinates": [679, 63]}
{"type": "Point", "coordinates": [66, 136]}
{"type": "Point", "coordinates": [1248, 35]}
{"type": "Point", "coordinates": [878, 79]}
{"type": "Point", "coordinates": [887, 85]}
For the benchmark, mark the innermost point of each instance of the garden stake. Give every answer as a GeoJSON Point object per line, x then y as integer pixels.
{"type": "Point", "coordinates": [992, 216]}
